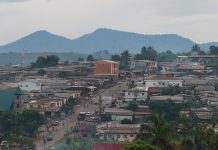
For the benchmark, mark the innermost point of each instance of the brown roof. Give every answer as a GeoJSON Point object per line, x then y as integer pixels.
{"type": "Point", "coordinates": [109, 146]}
{"type": "Point", "coordinates": [163, 78]}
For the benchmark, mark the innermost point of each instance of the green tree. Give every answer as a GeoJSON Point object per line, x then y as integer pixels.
{"type": "Point", "coordinates": [124, 60]}
{"type": "Point", "coordinates": [141, 146]}
{"type": "Point", "coordinates": [41, 61]}
{"type": "Point", "coordinates": [206, 138]}
{"type": "Point", "coordinates": [31, 120]}
{"type": "Point", "coordinates": [169, 108]}
{"type": "Point", "coordinates": [63, 74]}
{"type": "Point", "coordinates": [81, 59]}
{"type": "Point", "coordinates": [48, 61]}
{"type": "Point", "coordinates": [41, 72]}
{"type": "Point", "coordinates": [187, 144]}
{"type": "Point", "coordinates": [147, 53]}
{"type": "Point", "coordinates": [195, 48]}
{"type": "Point", "coordinates": [90, 58]}
{"type": "Point", "coordinates": [52, 60]}
{"type": "Point", "coordinates": [8, 123]}
{"type": "Point", "coordinates": [115, 57]}
{"type": "Point", "coordinates": [66, 63]}
{"type": "Point", "coordinates": [167, 56]}
{"type": "Point", "coordinates": [21, 142]}
{"type": "Point", "coordinates": [158, 132]}
{"type": "Point", "coordinates": [213, 50]}
{"type": "Point", "coordinates": [171, 90]}
{"type": "Point", "coordinates": [132, 105]}
{"type": "Point", "coordinates": [126, 121]}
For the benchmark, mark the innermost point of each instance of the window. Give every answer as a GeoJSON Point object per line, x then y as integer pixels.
{"type": "Point", "coordinates": [128, 93]}
{"type": "Point", "coordinates": [18, 97]}
{"type": "Point", "coordinates": [154, 83]}
{"type": "Point", "coordinates": [143, 93]}
{"type": "Point", "coordinates": [18, 105]}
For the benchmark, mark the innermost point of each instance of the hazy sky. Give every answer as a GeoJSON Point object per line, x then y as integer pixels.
{"type": "Point", "coordinates": [194, 19]}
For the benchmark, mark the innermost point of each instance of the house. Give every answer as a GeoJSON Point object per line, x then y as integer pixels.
{"type": "Point", "coordinates": [9, 77]}
{"type": "Point", "coordinates": [114, 131]}
{"type": "Point", "coordinates": [13, 99]}
{"type": "Point", "coordinates": [135, 94]}
{"type": "Point", "coordinates": [142, 66]}
{"type": "Point", "coordinates": [30, 85]}
{"type": "Point", "coordinates": [106, 68]}
{"type": "Point", "coordinates": [109, 146]}
{"type": "Point", "coordinates": [46, 105]}
{"type": "Point", "coordinates": [161, 81]}
{"type": "Point", "coordinates": [119, 114]}
{"type": "Point", "coordinates": [202, 114]}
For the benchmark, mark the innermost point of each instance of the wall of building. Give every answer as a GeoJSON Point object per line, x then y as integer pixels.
{"type": "Point", "coordinates": [138, 96]}
{"type": "Point", "coordinates": [161, 83]}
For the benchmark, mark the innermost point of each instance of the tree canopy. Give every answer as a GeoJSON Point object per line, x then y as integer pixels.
{"type": "Point", "coordinates": [213, 50]}
{"type": "Point", "coordinates": [115, 57]}
{"type": "Point", "coordinates": [49, 61]}
{"type": "Point", "coordinates": [147, 53]}
{"type": "Point", "coordinates": [90, 58]}
{"type": "Point", "coordinates": [124, 60]}
{"type": "Point", "coordinates": [139, 145]}
{"type": "Point", "coordinates": [41, 72]}
{"type": "Point", "coordinates": [26, 122]}
{"type": "Point", "coordinates": [167, 56]}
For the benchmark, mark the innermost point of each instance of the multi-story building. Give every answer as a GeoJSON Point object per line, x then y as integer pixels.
{"type": "Point", "coordinates": [143, 66]}
{"type": "Point", "coordinates": [106, 68]}
{"type": "Point", "coordinates": [135, 94]}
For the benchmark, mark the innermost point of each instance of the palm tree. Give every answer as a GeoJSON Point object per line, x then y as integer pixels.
{"type": "Point", "coordinates": [124, 60]}
{"type": "Point", "coordinates": [158, 131]}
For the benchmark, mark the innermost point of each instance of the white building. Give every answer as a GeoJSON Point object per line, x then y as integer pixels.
{"type": "Point", "coordinates": [161, 82]}
{"type": "Point", "coordinates": [136, 94]}
{"type": "Point", "coordinates": [29, 85]}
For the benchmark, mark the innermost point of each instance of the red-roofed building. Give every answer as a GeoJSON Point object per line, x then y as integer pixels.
{"type": "Point", "coordinates": [109, 146]}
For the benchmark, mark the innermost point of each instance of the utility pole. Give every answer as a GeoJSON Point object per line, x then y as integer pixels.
{"type": "Point", "coordinates": [100, 105]}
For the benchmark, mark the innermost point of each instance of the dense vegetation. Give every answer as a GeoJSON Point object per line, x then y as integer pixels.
{"type": "Point", "coordinates": [25, 123]}
{"type": "Point", "coordinates": [48, 61]}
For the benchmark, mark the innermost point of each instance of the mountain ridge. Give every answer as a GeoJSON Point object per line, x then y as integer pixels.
{"type": "Point", "coordinates": [114, 41]}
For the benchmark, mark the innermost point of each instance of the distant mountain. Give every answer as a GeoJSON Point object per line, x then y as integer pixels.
{"type": "Point", "coordinates": [40, 41]}
{"type": "Point", "coordinates": [102, 39]}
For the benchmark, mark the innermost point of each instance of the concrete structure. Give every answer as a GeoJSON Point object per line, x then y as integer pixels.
{"type": "Point", "coordinates": [9, 77]}
{"type": "Point", "coordinates": [161, 81]}
{"type": "Point", "coordinates": [46, 105]}
{"type": "Point", "coordinates": [143, 66]}
{"type": "Point", "coordinates": [119, 114]}
{"type": "Point", "coordinates": [106, 68]}
{"type": "Point", "coordinates": [118, 132]}
{"type": "Point", "coordinates": [136, 94]}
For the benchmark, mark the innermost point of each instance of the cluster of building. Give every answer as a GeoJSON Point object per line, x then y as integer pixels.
{"type": "Point", "coordinates": [22, 88]}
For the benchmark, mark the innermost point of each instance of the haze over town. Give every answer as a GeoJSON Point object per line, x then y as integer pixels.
{"type": "Point", "coordinates": [73, 18]}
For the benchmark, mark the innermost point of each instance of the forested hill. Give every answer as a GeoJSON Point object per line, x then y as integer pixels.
{"type": "Point", "coordinates": [102, 39]}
